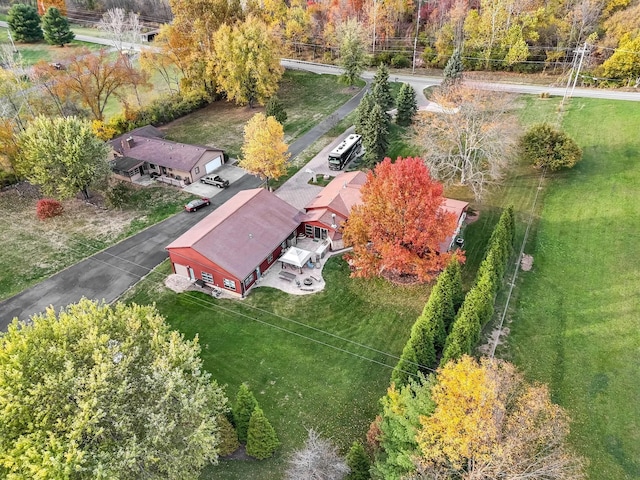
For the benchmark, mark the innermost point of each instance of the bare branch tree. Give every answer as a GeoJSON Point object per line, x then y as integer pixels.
{"type": "Point", "coordinates": [122, 27]}
{"type": "Point", "coordinates": [471, 139]}
{"type": "Point", "coordinates": [318, 460]}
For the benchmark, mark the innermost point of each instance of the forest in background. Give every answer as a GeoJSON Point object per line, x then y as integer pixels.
{"type": "Point", "coordinates": [509, 35]}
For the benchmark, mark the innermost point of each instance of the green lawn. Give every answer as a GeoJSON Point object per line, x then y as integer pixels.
{"type": "Point", "coordinates": [577, 317]}
{"type": "Point", "coordinates": [299, 383]}
{"type": "Point", "coordinates": [32, 53]}
{"type": "Point", "coordinates": [307, 98]}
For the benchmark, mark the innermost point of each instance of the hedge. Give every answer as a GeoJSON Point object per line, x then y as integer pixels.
{"type": "Point", "coordinates": [477, 309]}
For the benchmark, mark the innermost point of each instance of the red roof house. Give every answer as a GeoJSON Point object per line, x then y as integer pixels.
{"type": "Point", "coordinates": [143, 151]}
{"type": "Point", "coordinates": [326, 213]}
{"type": "Point", "coordinates": [233, 246]}
{"type": "Point", "coordinates": [329, 210]}
{"type": "Point", "coordinates": [459, 209]}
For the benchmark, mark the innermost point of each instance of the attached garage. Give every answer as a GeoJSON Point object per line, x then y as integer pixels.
{"type": "Point", "coordinates": [213, 164]}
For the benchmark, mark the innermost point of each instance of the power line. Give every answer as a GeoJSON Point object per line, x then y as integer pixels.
{"type": "Point", "coordinates": [228, 311]}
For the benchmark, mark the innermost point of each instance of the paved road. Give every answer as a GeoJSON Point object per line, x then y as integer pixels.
{"type": "Point", "coordinates": [420, 82]}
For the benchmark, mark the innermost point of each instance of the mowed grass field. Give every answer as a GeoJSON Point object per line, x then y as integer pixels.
{"type": "Point", "coordinates": [302, 378]}
{"type": "Point", "coordinates": [307, 98]}
{"type": "Point", "coordinates": [576, 322]}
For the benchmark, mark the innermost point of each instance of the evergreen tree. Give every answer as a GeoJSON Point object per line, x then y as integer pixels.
{"type": "Point", "coordinates": [228, 437]}
{"type": "Point", "coordinates": [419, 350]}
{"type": "Point", "coordinates": [358, 462]}
{"type": "Point", "coordinates": [24, 23]}
{"type": "Point", "coordinates": [363, 111]}
{"type": "Point", "coordinates": [382, 93]}
{"type": "Point", "coordinates": [262, 440]}
{"type": "Point", "coordinates": [375, 136]}
{"type": "Point", "coordinates": [242, 410]}
{"type": "Point", "coordinates": [450, 284]}
{"type": "Point", "coordinates": [407, 105]}
{"type": "Point", "coordinates": [453, 69]}
{"type": "Point", "coordinates": [56, 28]}
{"type": "Point", "coordinates": [275, 109]}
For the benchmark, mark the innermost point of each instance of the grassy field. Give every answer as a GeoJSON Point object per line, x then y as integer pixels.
{"type": "Point", "coordinates": [307, 98]}
{"type": "Point", "coordinates": [32, 53]}
{"type": "Point", "coordinates": [82, 230]}
{"type": "Point", "coordinates": [299, 382]}
{"type": "Point", "coordinates": [577, 317]}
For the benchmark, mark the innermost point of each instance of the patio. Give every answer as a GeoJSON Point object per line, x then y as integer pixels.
{"type": "Point", "coordinates": [299, 280]}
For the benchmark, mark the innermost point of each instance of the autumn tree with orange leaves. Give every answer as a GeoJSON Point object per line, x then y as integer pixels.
{"type": "Point", "coordinates": [397, 231]}
{"type": "Point", "coordinates": [96, 77]}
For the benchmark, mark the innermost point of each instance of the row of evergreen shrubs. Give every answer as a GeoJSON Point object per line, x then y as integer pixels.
{"type": "Point", "coordinates": [429, 333]}
{"type": "Point", "coordinates": [478, 305]}
{"type": "Point", "coordinates": [451, 322]}
{"type": "Point", "coordinates": [158, 112]}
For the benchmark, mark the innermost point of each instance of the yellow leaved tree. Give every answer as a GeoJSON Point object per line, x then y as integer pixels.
{"type": "Point", "coordinates": [264, 152]}
{"type": "Point", "coordinates": [489, 423]}
{"type": "Point", "coordinates": [247, 66]}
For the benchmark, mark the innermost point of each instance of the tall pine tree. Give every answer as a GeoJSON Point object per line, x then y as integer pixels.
{"type": "Point", "coordinates": [453, 69]}
{"type": "Point", "coordinates": [363, 111]}
{"type": "Point", "coordinates": [407, 105]}
{"type": "Point", "coordinates": [24, 23]}
{"type": "Point", "coordinates": [381, 88]}
{"type": "Point", "coordinates": [358, 462]}
{"type": "Point", "coordinates": [56, 28]}
{"type": "Point", "coordinates": [375, 135]}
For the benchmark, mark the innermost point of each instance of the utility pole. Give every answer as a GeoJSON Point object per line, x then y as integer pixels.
{"type": "Point", "coordinates": [415, 40]}
{"type": "Point", "coordinates": [582, 51]}
{"type": "Point", "coordinates": [579, 51]}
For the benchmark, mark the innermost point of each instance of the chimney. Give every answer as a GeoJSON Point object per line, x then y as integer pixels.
{"type": "Point", "coordinates": [130, 142]}
{"type": "Point", "coordinates": [333, 221]}
{"type": "Point", "coordinates": [344, 185]}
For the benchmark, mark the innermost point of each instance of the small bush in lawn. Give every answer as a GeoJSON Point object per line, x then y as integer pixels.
{"type": "Point", "coordinates": [262, 440]}
{"type": "Point", "coordinates": [48, 208]}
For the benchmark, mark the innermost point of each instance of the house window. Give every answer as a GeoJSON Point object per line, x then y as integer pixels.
{"type": "Point", "coordinates": [151, 165]}
{"type": "Point", "coordinates": [207, 277]}
{"type": "Point", "coordinates": [248, 280]}
{"type": "Point", "coordinates": [308, 230]}
{"type": "Point", "coordinates": [230, 284]}
{"type": "Point", "coordinates": [197, 170]}
{"type": "Point", "coordinates": [270, 258]}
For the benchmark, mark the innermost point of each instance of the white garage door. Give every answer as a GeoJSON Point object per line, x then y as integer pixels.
{"type": "Point", "coordinates": [181, 270]}
{"type": "Point", "coordinates": [213, 164]}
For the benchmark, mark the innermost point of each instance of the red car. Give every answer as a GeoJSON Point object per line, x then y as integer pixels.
{"type": "Point", "coordinates": [197, 204]}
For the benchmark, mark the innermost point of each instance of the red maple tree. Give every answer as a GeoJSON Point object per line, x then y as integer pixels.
{"type": "Point", "coordinates": [397, 231]}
